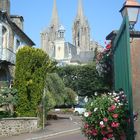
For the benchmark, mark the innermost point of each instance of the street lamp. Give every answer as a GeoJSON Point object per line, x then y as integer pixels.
{"type": "Point", "coordinates": [131, 8]}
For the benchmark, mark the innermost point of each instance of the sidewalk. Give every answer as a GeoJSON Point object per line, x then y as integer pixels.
{"type": "Point", "coordinates": [66, 123]}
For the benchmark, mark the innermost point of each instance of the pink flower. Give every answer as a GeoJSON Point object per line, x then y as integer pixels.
{"type": "Point", "coordinates": [115, 124]}
{"type": "Point", "coordinates": [102, 126]}
{"type": "Point", "coordinates": [103, 132]}
{"type": "Point", "coordinates": [115, 116]}
{"type": "Point", "coordinates": [86, 126]}
{"type": "Point", "coordinates": [112, 108]}
{"type": "Point", "coordinates": [109, 135]}
{"type": "Point", "coordinates": [94, 132]}
{"type": "Point", "coordinates": [105, 119]}
{"type": "Point", "coordinates": [109, 129]}
{"type": "Point", "coordinates": [105, 138]}
{"type": "Point", "coordinates": [116, 99]}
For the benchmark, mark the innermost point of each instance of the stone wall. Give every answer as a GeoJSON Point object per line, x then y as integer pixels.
{"type": "Point", "coordinates": [15, 126]}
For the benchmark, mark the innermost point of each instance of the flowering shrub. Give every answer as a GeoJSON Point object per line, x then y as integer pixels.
{"type": "Point", "coordinates": [106, 117]}
{"type": "Point", "coordinates": [104, 64]}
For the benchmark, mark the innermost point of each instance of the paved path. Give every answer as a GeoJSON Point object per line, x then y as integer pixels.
{"type": "Point", "coordinates": [75, 135]}
{"type": "Point", "coordinates": [66, 124]}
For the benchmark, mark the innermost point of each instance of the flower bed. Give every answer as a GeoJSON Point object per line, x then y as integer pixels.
{"type": "Point", "coordinates": [106, 117]}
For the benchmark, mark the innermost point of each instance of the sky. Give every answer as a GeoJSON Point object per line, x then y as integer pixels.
{"type": "Point", "coordinates": [103, 16]}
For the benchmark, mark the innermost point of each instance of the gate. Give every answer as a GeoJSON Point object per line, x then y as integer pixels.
{"type": "Point", "coordinates": [122, 67]}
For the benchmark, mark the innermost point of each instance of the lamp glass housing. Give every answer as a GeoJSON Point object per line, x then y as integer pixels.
{"type": "Point", "coordinates": [132, 13]}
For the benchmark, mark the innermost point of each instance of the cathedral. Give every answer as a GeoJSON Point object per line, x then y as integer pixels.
{"type": "Point", "coordinates": [80, 51]}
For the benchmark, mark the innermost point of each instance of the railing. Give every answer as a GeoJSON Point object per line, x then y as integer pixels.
{"type": "Point", "coordinates": [7, 55]}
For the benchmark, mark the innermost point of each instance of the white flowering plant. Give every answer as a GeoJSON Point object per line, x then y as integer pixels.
{"type": "Point", "coordinates": [106, 117]}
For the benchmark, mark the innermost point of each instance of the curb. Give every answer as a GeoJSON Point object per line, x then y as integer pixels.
{"type": "Point", "coordinates": [54, 134]}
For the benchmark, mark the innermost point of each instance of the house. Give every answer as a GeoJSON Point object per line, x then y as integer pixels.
{"type": "Point", "coordinates": [12, 37]}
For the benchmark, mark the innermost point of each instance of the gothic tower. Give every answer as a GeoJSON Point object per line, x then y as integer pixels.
{"type": "Point", "coordinates": [52, 38]}
{"type": "Point", "coordinates": [54, 25]}
{"type": "Point", "coordinates": [5, 6]}
{"type": "Point", "coordinates": [81, 31]}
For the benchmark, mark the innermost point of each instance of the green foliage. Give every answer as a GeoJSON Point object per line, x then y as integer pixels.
{"type": "Point", "coordinates": [8, 99]}
{"type": "Point", "coordinates": [84, 80]}
{"type": "Point", "coordinates": [69, 75]}
{"type": "Point", "coordinates": [70, 97]}
{"type": "Point", "coordinates": [49, 101]}
{"type": "Point", "coordinates": [5, 114]}
{"type": "Point", "coordinates": [55, 86]}
{"type": "Point", "coordinates": [31, 67]}
{"type": "Point", "coordinates": [8, 96]}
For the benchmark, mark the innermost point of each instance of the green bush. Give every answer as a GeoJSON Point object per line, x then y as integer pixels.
{"type": "Point", "coordinates": [4, 114]}
{"type": "Point", "coordinates": [31, 67]}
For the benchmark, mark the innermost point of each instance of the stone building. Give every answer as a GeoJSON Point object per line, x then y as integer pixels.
{"type": "Point", "coordinates": [53, 39]}
{"type": "Point", "coordinates": [12, 37]}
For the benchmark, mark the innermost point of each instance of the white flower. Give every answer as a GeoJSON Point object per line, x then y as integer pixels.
{"type": "Point", "coordinates": [101, 123]}
{"type": "Point", "coordinates": [120, 104]}
{"type": "Point", "coordinates": [86, 114]}
{"type": "Point", "coordinates": [95, 94]}
{"type": "Point", "coordinates": [91, 104]}
{"type": "Point", "coordinates": [114, 93]}
{"type": "Point", "coordinates": [95, 109]}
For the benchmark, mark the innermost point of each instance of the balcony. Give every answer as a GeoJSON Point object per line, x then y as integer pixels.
{"type": "Point", "coordinates": [7, 55]}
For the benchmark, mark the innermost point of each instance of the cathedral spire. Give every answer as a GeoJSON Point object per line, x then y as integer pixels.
{"type": "Point", "coordinates": [55, 19]}
{"type": "Point", "coordinates": [80, 13]}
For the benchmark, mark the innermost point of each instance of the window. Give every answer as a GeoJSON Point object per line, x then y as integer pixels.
{"type": "Point", "coordinates": [4, 37]}
{"type": "Point", "coordinates": [59, 48]}
{"type": "Point", "coordinates": [17, 44]}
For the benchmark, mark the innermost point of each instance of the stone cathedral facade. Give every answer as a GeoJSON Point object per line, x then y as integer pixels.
{"type": "Point", "coordinates": [53, 39]}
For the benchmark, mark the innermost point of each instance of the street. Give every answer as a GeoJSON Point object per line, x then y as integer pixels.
{"type": "Point", "coordinates": [66, 127]}
{"type": "Point", "coordinates": [68, 136]}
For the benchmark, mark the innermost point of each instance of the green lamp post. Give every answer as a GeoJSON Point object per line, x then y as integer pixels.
{"type": "Point", "coordinates": [131, 8]}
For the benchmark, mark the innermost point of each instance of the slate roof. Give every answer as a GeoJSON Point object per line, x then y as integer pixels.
{"type": "Point", "coordinates": [16, 29]}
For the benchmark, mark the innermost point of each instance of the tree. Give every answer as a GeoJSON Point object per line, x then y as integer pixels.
{"type": "Point", "coordinates": [70, 97]}
{"type": "Point", "coordinates": [84, 80]}
{"type": "Point", "coordinates": [55, 86]}
{"type": "Point", "coordinates": [32, 65]}
{"type": "Point", "coordinates": [50, 101]}
{"type": "Point", "coordinates": [69, 76]}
